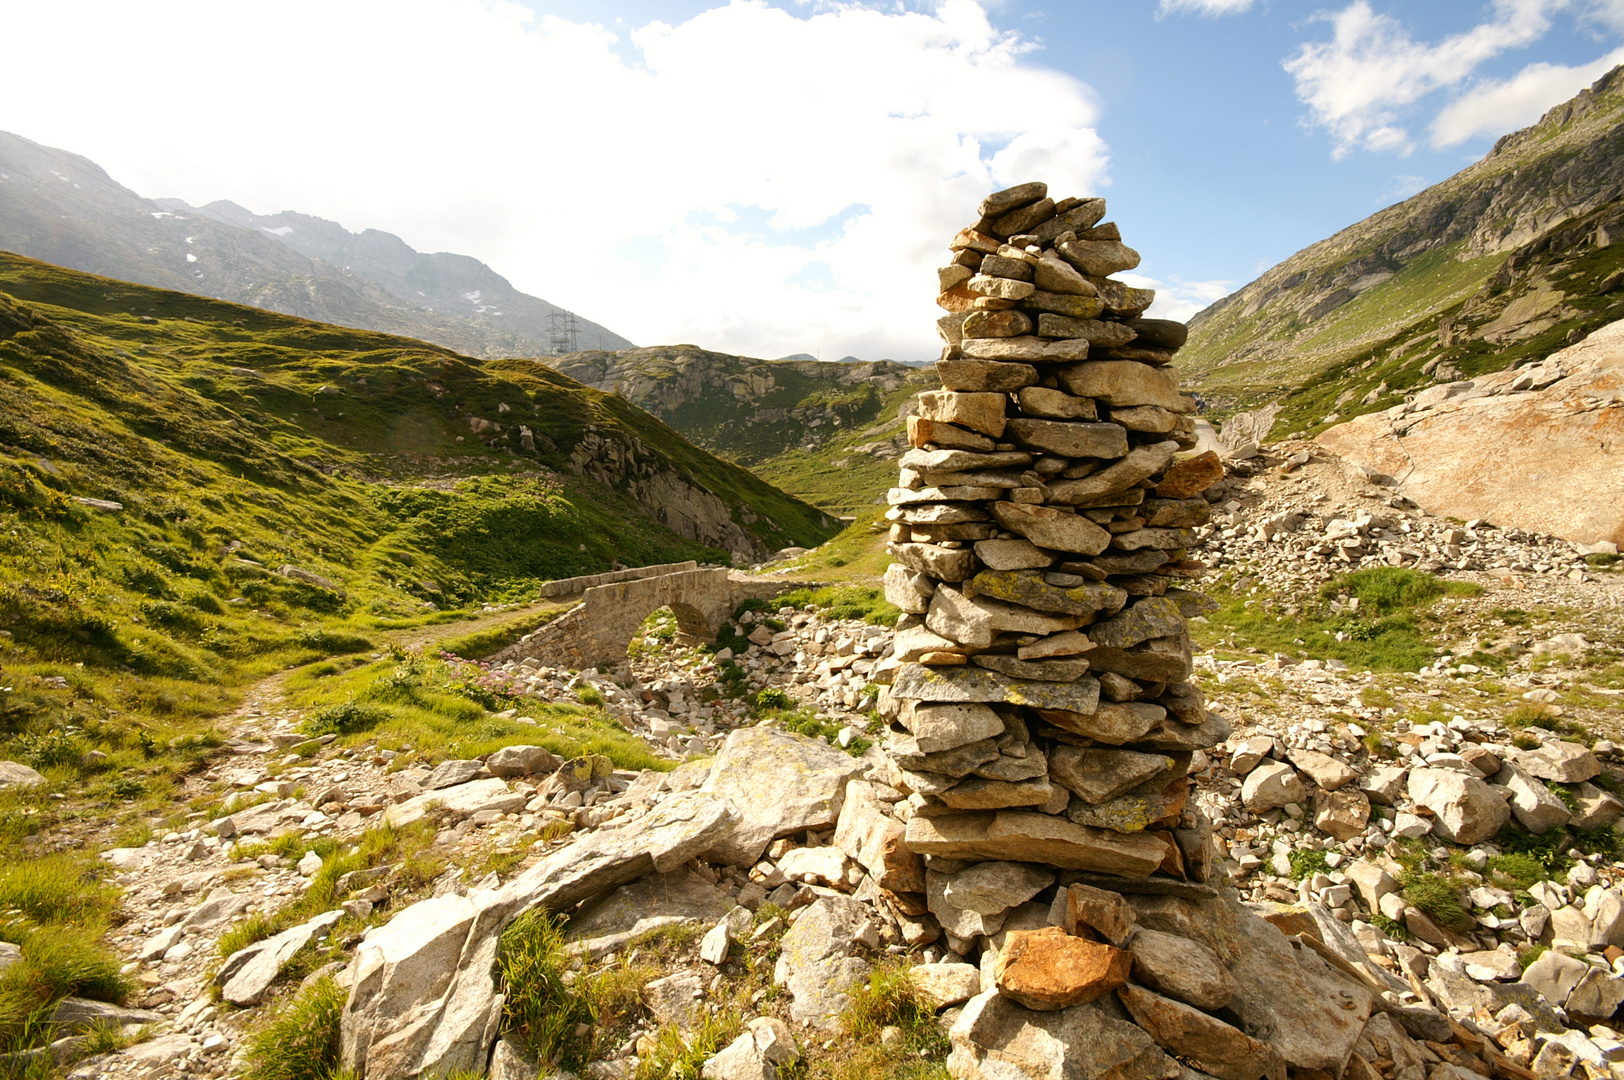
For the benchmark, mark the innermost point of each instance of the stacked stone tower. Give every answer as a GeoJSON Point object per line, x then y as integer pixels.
{"type": "Point", "coordinates": [1039, 693]}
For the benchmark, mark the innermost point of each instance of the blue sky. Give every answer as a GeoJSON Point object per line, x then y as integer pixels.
{"type": "Point", "coordinates": [777, 178]}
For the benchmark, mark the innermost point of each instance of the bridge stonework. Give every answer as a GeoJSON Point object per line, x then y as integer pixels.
{"type": "Point", "coordinates": [598, 629]}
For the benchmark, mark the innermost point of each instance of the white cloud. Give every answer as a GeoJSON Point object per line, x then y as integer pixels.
{"type": "Point", "coordinates": [1495, 107]}
{"type": "Point", "coordinates": [749, 180]}
{"type": "Point", "coordinates": [1203, 7]}
{"type": "Point", "coordinates": [1608, 14]}
{"type": "Point", "coordinates": [1178, 299]}
{"type": "Point", "coordinates": [1359, 84]}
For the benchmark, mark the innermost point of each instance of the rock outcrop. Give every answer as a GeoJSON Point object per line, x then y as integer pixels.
{"type": "Point", "coordinates": [1539, 448]}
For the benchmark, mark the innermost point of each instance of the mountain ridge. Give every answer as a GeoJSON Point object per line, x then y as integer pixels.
{"type": "Point", "coordinates": [1498, 263]}
{"type": "Point", "coordinates": [63, 208]}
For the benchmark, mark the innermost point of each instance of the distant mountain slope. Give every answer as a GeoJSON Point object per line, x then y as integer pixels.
{"type": "Point", "coordinates": [64, 209]}
{"type": "Point", "coordinates": [829, 432]}
{"type": "Point", "coordinates": [152, 398]}
{"type": "Point", "coordinates": [1511, 258]}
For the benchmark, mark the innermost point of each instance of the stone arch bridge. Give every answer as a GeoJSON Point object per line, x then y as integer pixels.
{"type": "Point", "coordinates": [599, 628]}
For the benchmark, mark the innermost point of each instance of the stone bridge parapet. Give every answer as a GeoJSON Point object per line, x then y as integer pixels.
{"type": "Point", "coordinates": [598, 629]}
{"type": "Point", "coordinates": [571, 585]}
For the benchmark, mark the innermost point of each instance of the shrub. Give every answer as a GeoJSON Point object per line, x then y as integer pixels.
{"type": "Point", "coordinates": [773, 698]}
{"type": "Point", "coordinates": [589, 695]}
{"type": "Point", "coordinates": [344, 718]}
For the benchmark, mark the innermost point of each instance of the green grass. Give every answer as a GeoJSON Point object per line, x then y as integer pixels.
{"type": "Point", "coordinates": [1437, 896]}
{"type": "Point", "coordinates": [865, 602]}
{"type": "Point", "coordinates": [806, 721]}
{"type": "Point", "coordinates": [299, 1041]}
{"type": "Point", "coordinates": [889, 999]}
{"type": "Point", "coordinates": [57, 910]}
{"type": "Point", "coordinates": [856, 552]}
{"type": "Point", "coordinates": [131, 630]}
{"type": "Point", "coordinates": [478, 644]}
{"type": "Point", "coordinates": [443, 707]}
{"type": "Point", "coordinates": [1306, 862]}
{"type": "Point", "coordinates": [1394, 629]}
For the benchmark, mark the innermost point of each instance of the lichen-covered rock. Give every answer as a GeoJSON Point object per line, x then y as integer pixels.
{"type": "Point", "coordinates": [817, 962]}
{"type": "Point", "coordinates": [807, 779]}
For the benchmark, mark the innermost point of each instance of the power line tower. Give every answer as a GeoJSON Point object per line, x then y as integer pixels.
{"type": "Point", "coordinates": [562, 331]}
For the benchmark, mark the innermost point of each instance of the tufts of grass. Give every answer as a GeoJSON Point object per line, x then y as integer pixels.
{"type": "Point", "coordinates": [1306, 862]}
{"type": "Point", "coordinates": [888, 1000]}
{"type": "Point", "coordinates": [300, 1040]}
{"type": "Point", "coordinates": [540, 1007]}
{"type": "Point", "coordinates": [1437, 896]}
{"type": "Point", "coordinates": [58, 961]}
{"type": "Point", "coordinates": [255, 926]}
{"type": "Point", "coordinates": [805, 721]}
{"type": "Point", "coordinates": [679, 1056]}
{"type": "Point", "coordinates": [56, 888]}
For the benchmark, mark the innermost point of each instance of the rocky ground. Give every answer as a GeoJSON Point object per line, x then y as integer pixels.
{"type": "Point", "coordinates": [1351, 794]}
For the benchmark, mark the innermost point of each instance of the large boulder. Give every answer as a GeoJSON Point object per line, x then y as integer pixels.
{"type": "Point", "coordinates": [877, 841]}
{"type": "Point", "coordinates": [1216, 1048]}
{"type": "Point", "coordinates": [1272, 784]}
{"type": "Point", "coordinates": [1464, 809]}
{"type": "Point", "coordinates": [1290, 998]}
{"type": "Point", "coordinates": [1449, 448]}
{"type": "Point", "coordinates": [1535, 807]}
{"type": "Point", "coordinates": [806, 780]}
{"type": "Point", "coordinates": [1563, 762]}
{"type": "Point", "coordinates": [1181, 968]}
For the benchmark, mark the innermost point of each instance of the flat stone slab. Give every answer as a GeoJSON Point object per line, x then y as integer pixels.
{"type": "Point", "coordinates": [460, 801]}
{"type": "Point", "coordinates": [680, 897]}
{"type": "Point", "coordinates": [1029, 836]}
{"type": "Point", "coordinates": [916, 682]}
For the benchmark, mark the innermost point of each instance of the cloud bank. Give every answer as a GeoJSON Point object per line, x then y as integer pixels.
{"type": "Point", "coordinates": [750, 180]}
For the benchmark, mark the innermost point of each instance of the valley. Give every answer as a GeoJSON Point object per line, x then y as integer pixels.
{"type": "Point", "coordinates": [1027, 736]}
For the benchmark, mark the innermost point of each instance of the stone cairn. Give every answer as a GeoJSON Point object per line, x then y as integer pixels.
{"type": "Point", "coordinates": [1039, 530]}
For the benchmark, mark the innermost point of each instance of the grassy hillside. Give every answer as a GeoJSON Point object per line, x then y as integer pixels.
{"type": "Point", "coordinates": [829, 432]}
{"type": "Point", "coordinates": [1511, 258]}
{"type": "Point", "coordinates": [195, 494]}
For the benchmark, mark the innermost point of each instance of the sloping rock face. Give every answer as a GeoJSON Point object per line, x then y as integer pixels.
{"type": "Point", "coordinates": [424, 998]}
{"type": "Point", "coordinates": [1538, 448]}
